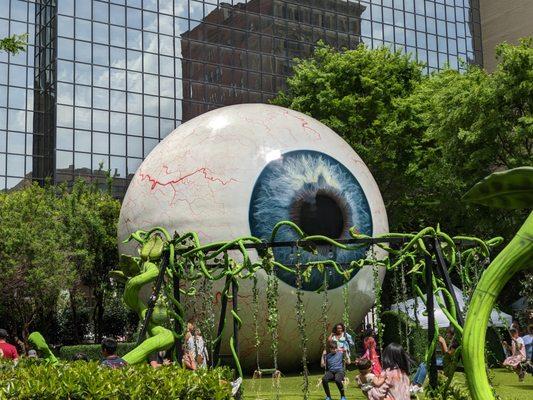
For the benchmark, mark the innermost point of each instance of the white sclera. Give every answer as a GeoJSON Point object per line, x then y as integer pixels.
{"type": "Point", "coordinates": [201, 177]}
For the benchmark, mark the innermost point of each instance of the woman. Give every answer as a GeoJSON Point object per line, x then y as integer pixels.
{"type": "Point", "coordinates": [371, 354]}
{"type": "Point", "coordinates": [343, 340]}
{"type": "Point", "coordinates": [195, 355]}
{"type": "Point", "coordinates": [393, 383]}
{"type": "Point", "coordinates": [518, 354]}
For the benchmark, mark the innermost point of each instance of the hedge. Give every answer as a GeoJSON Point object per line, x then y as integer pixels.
{"type": "Point", "coordinates": [93, 351]}
{"type": "Point", "coordinates": [82, 380]}
{"type": "Point", "coordinates": [394, 321]}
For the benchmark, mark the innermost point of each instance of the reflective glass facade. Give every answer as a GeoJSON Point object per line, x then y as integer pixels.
{"type": "Point", "coordinates": [103, 82]}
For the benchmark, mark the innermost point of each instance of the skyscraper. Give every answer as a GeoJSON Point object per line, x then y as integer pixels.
{"type": "Point", "coordinates": [102, 82]}
{"type": "Point", "coordinates": [503, 21]}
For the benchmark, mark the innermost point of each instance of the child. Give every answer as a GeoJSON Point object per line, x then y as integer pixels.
{"type": "Point", "coordinates": [518, 354]}
{"type": "Point", "coordinates": [371, 354]}
{"type": "Point", "coordinates": [394, 380]}
{"type": "Point", "coordinates": [333, 361]}
{"type": "Point", "coordinates": [366, 378]}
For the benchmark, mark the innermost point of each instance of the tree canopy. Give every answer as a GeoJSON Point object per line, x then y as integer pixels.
{"type": "Point", "coordinates": [55, 240]}
{"type": "Point", "coordinates": [14, 44]}
{"type": "Point", "coordinates": [426, 138]}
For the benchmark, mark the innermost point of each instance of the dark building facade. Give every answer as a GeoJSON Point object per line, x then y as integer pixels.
{"type": "Point", "coordinates": [102, 82]}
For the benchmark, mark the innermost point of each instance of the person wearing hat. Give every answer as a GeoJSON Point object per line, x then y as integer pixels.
{"type": "Point", "coordinates": [9, 351]}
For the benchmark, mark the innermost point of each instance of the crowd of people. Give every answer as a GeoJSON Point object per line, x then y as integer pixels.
{"type": "Point", "coordinates": [393, 376]}
{"type": "Point", "coordinates": [385, 377]}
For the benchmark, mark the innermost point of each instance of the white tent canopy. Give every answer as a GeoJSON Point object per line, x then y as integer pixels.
{"type": "Point", "coordinates": [497, 318]}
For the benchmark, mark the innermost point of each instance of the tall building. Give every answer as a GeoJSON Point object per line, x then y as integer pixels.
{"type": "Point", "coordinates": [503, 21]}
{"type": "Point", "coordinates": [102, 82]}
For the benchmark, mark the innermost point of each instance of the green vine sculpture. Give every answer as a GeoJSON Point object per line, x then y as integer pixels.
{"type": "Point", "coordinates": [138, 272]}
{"type": "Point", "coordinates": [508, 189]}
{"type": "Point", "coordinates": [38, 342]}
{"type": "Point", "coordinates": [164, 259]}
{"type": "Point", "coordinates": [300, 319]}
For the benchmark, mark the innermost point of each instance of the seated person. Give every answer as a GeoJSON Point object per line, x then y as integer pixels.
{"type": "Point", "coordinates": [365, 379]}
{"type": "Point", "coordinates": [160, 358]}
{"type": "Point", "coordinates": [333, 362]}
{"type": "Point", "coordinates": [518, 354]}
{"type": "Point", "coordinates": [111, 360]}
{"type": "Point", "coordinates": [445, 360]}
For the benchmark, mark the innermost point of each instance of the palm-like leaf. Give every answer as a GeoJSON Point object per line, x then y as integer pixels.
{"type": "Point", "coordinates": [507, 189]}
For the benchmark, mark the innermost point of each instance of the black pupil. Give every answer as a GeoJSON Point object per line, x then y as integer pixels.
{"type": "Point", "coordinates": [319, 214]}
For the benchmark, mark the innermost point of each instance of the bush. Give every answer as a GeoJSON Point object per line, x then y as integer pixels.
{"type": "Point", "coordinates": [93, 351]}
{"type": "Point", "coordinates": [80, 380]}
{"type": "Point", "coordinates": [394, 323]}
{"type": "Point", "coordinates": [456, 391]}
{"type": "Point", "coordinates": [70, 330]}
{"type": "Point", "coordinates": [118, 319]}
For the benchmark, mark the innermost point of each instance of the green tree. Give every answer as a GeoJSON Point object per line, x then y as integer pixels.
{"type": "Point", "coordinates": [14, 44]}
{"type": "Point", "coordinates": [33, 264]}
{"type": "Point", "coordinates": [357, 93]}
{"type": "Point", "coordinates": [55, 240]}
{"type": "Point", "coordinates": [426, 139]}
{"type": "Point", "coordinates": [90, 217]}
{"type": "Point", "coordinates": [475, 123]}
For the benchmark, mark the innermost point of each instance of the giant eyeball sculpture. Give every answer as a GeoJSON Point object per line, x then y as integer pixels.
{"type": "Point", "coordinates": [237, 171]}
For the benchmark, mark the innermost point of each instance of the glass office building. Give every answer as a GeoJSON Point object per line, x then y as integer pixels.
{"type": "Point", "coordinates": [102, 82]}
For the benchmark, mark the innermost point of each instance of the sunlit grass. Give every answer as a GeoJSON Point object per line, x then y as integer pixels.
{"type": "Point", "coordinates": [506, 383]}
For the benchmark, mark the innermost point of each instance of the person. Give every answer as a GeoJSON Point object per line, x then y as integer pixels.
{"type": "Point", "coordinates": [343, 339]}
{"type": "Point", "coordinates": [333, 362]}
{"type": "Point", "coordinates": [365, 378]}
{"type": "Point", "coordinates": [394, 380]}
{"type": "Point", "coordinates": [8, 350]}
{"type": "Point", "coordinates": [369, 331]}
{"type": "Point", "coordinates": [32, 353]}
{"type": "Point", "coordinates": [518, 354]}
{"type": "Point", "coordinates": [528, 342]}
{"type": "Point", "coordinates": [371, 354]}
{"type": "Point", "coordinates": [109, 349]}
{"type": "Point", "coordinates": [515, 325]}
{"type": "Point", "coordinates": [158, 359]}
{"type": "Point", "coordinates": [195, 354]}
{"type": "Point", "coordinates": [80, 357]}
{"type": "Point", "coordinates": [443, 360]}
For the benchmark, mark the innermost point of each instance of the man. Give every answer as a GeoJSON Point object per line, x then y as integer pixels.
{"type": "Point", "coordinates": [528, 342]}
{"type": "Point", "coordinates": [333, 362]}
{"type": "Point", "coordinates": [111, 360]}
{"type": "Point", "coordinates": [9, 351]}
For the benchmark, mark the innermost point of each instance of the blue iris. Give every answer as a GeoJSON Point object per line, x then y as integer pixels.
{"type": "Point", "coordinates": [320, 195]}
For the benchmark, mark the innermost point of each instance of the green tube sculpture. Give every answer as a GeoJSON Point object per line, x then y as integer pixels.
{"type": "Point", "coordinates": [508, 189]}
{"type": "Point", "coordinates": [138, 272]}
{"type": "Point", "coordinates": [39, 343]}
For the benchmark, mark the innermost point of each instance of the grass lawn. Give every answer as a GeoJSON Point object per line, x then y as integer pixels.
{"type": "Point", "coordinates": [506, 383]}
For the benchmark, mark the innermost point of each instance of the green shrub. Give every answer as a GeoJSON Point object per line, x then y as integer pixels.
{"type": "Point", "coordinates": [93, 351]}
{"type": "Point", "coordinates": [394, 331]}
{"type": "Point", "coordinates": [80, 380]}
{"type": "Point", "coordinates": [456, 391]}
